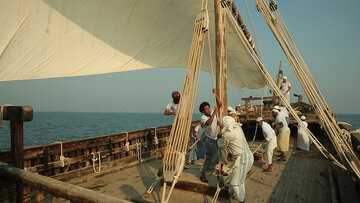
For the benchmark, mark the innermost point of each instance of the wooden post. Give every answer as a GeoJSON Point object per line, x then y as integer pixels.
{"type": "Point", "coordinates": [220, 42]}
{"type": "Point", "coordinates": [17, 115]}
{"type": "Point", "coordinates": [39, 197]}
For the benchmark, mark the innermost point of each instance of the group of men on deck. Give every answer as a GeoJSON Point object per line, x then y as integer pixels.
{"type": "Point", "coordinates": [227, 134]}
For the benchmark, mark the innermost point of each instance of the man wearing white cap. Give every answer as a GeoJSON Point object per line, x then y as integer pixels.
{"type": "Point", "coordinates": [303, 141]}
{"type": "Point", "coordinates": [231, 110]}
{"type": "Point", "coordinates": [270, 137]}
{"type": "Point", "coordinates": [283, 110]}
{"type": "Point", "coordinates": [283, 133]}
{"type": "Point", "coordinates": [285, 88]}
{"type": "Point", "coordinates": [234, 140]}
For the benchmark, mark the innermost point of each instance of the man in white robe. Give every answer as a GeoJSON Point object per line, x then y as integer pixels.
{"type": "Point", "coordinates": [285, 88]}
{"type": "Point", "coordinates": [283, 133]}
{"type": "Point", "coordinates": [303, 141]}
{"type": "Point", "coordinates": [270, 138]}
{"type": "Point", "coordinates": [233, 139]}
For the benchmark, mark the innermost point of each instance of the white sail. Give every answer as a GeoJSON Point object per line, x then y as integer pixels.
{"type": "Point", "coordinates": [66, 38]}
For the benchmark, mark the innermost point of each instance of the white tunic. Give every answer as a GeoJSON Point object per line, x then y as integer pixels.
{"type": "Point", "coordinates": [281, 119]}
{"type": "Point", "coordinates": [269, 135]}
{"type": "Point", "coordinates": [284, 111]}
{"type": "Point", "coordinates": [199, 131]}
{"type": "Point", "coordinates": [303, 141]}
{"type": "Point", "coordinates": [285, 86]}
{"type": "Point", "coordinates": [211, 131]}
{"type": "Point", "coordinates": [172, 106]}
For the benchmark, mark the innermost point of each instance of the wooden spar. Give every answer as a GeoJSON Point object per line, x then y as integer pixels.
{"type": "Point", "coordinates": [221, 77]}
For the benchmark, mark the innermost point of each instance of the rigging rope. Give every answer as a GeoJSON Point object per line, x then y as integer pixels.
{"type": "Point", "coordinates": [326, 117]}
{"type": "Point", "coordinates": [62, 158]}
{"type": "Point", "coordinates": [257, 47]}
{"type": "Point", "coordinates": [174, 159]}
{"type": "Point", "coordinates": [94, 159]}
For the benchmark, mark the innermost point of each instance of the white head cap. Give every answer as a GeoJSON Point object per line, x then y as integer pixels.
{"type": "Point", "coordinates": [259, 119]}
{"type": "Point", "coordinates": [237, 105]}
{"type": "Point", "coordinates": [285, 77]}
{"type": "Point", "coordinates": [230, 108]}
{"type": "Point", "coordinates": [229, 123]}
{"type": "Point", "coordinates": [276, 107]}
{"type": "Point", "coordinates": [275, 110]}
{"type": "Point", "coordinates": [303, 118]}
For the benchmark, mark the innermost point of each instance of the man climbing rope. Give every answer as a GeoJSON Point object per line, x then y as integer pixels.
{"type": "Point", "coordinates": [285, 88]}
{"type": "Point", "coordinates": [270, 138]}
{"type": "Point", "coordinates": [210, 123]}
{"type": "Point", "coordinates": [172, 106]}
{"type": "Point", "coordinates": [234, 140]}
{"type": "Point", "coordinates": [283, 133]}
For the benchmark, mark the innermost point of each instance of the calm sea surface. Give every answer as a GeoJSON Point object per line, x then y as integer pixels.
{"type": "Point", "coordinates": [48, 127]}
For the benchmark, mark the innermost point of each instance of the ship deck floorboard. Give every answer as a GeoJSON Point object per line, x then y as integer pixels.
{"type": "Point", "coordinates": [299, 179]}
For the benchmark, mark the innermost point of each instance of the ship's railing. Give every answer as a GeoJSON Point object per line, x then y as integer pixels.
{"type": "Point", "coordinates": [35, 186]}
{"type": "Point", "coordinates": [71, 159]}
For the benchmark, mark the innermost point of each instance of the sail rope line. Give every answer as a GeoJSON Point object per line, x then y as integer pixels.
{"type": "Point", "coordinates": [257, 47]}
{"type": "Point", "coordinates": [326, 118]}
{"type": "Point", "coordinates": [62, 157]}
{"type": "Point", "coordinates": [339, 139]}
{"type": "Point", "coordinates": [174, 158]}
{"type": "Point", "coordinates": [267, 76]}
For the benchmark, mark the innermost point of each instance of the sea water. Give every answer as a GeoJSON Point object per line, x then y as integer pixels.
{"type": "Point", "coordinates": [49, 127]}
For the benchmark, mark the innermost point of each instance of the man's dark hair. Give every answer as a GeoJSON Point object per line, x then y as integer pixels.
{"type": "Point", "coordinates": [202, 106]}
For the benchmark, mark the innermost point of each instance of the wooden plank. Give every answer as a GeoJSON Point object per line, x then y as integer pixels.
{"type": "Point", "coordinates": [346, 186]}
{"type": "Point", "coordinates": [199, 188]}
{"type": "Point", "coordinates": [332, 184]}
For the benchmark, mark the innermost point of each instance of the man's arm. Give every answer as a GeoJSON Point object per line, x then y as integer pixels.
{"type": "Point", "coordinates": [211, 119]}
{"type": "Point", "coordinates": [167, 112]}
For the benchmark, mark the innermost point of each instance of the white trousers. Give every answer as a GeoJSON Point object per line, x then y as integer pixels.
{"type": "Point", "coordinates": [242, 166]}
{"type": "Point", "coordinates": [269, 155]}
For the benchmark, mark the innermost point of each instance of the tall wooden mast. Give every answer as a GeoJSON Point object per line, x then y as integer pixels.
{"type": "Point", "coordinates": [221, 70]}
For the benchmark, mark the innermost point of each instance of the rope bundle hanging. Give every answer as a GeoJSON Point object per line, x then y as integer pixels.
{"type": "Point", "coordinates": [174, 159]}
{"type": "Point", "coordinates": [326, 117]}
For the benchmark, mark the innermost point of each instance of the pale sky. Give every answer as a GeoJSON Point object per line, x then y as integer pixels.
{"type": "Point", "coordinates": [325, 31]}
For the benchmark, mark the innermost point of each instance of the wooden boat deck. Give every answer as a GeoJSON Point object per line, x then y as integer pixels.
{"type": "Point", "coordinates": [302, 178]}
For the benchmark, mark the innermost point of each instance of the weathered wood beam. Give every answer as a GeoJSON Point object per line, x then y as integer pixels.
{"type": "Point", "coordinates": [55, 187]}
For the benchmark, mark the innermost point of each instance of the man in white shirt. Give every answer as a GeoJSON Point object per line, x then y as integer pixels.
{"type": "Point", "coordinates": [172, 107]}
{"type": "Point", "coordinates": [285, 88]}
{"type": "Point", "coordinates": [283, 133]}
{"type": "Point", "coordinates": [303, 141]}
{"type": "Point", "coordinates": [231, 111]}
{"type": "Point", "coordinates": [283, 110]}
{"type": "Point", "coordinates": [270, 137]}
{"type": "Point", "coordinates": [210, 123]}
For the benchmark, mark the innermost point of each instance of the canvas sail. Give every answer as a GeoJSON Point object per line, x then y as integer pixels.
{"type": "Point", "coordinates": [64, 38]}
